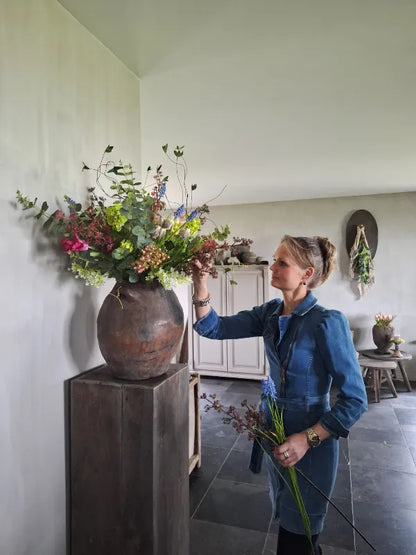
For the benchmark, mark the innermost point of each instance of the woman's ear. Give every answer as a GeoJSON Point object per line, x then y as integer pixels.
{"type": "Point", "coordinates": [309, 273]}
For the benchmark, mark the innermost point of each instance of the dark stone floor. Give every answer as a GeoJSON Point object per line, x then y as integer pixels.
{"type": "Point", "coordinates": [376, 483]}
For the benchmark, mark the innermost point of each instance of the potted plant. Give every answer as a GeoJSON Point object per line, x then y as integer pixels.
{"type": "Point", "coordinates": [383, 333]}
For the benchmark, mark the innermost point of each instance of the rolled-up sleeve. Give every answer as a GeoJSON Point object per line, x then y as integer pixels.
{"type": "Point", "coordinates": [340, 360]}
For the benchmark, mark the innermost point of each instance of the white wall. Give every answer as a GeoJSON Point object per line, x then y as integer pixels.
{"type": "Point", "coordinates": [395, 263]}
{"type": "Point", "coordinates": [297, 98]}
{"type": "Point", "coordinates": [63, 98]}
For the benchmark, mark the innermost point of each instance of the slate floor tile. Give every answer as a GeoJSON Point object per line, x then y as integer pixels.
{"type": "Point", "coordinates": [212, 459]}
{"type": "Point", "coordinates": [342, 488]}
{"type": "Point", "coordinates": [214, 384]}
{"type": "Point", "coordinates": [380, 486]}
{"type": "Point", "coordinates": [243, 444]}
{"type": "Point", "coordinates": [274, 526]}
{"type": "Point", "coordinates": [217, 434]}
{"type": "Point", "coordinates": [344, 453]}
{"type": "Point", "coordinates": [245, 387]}
{"type": "Point", "coordinates": [236, 468]}
{"type": "Point", "coordinates": [381, 455]}
{"type": "Point", "coordinates": [406, 416]}
{"type": "Point", "coordinates": [236, 399]}
{"type": "Point", "coordinates": [405, 399]}
{"type": "Point", "coordinates": [337, 532]}
{"type": "Point", "coordinates": [380, 416]}
{"type": "Point", "coordinates": [331, 550]}
{"type": "Point", "coordinates": [271, 545]}
{"type": "Point", "coordinates": [390, 529]}
{"type": "Point", "coordinates": [209, 538]}
{"type": "Point", "coordinates": [410, 436]}
{"type": "Point", "coordinates": [236, 504]}
{"type": "Point", "coordinates": [413, 453]}
{"type": "Point", "coordinates": [375, 435]}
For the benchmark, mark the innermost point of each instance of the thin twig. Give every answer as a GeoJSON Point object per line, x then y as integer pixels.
{"type": "Point", "coordinates": [335, 507]}
{"type": "Point", "coordinates": [219, 194]}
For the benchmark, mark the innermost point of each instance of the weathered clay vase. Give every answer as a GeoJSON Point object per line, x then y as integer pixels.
{"type": "Point", "coordinates": [139, 328]}
{"type": "Point", "coordinates": [382, 336]}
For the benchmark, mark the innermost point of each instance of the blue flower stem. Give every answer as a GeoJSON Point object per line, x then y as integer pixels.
{"type": "Point", "coordinates": [280, 435]}
{"type": "Point", "coordinates": [294, 490]}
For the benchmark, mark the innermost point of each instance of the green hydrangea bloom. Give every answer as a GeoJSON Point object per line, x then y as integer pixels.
{"type": "Point", "coordinates": [127, 244]}
{"type": "Point", "coordinates": [92, 277]}
{"type": "Point", "coordinates": [177, 226]}
{"type": "Point", "coordinates": [169, 278]}
{"type": "Point", "coordinates": [114, 218]}
{"type": "Point", "coordinates": [194, 225]}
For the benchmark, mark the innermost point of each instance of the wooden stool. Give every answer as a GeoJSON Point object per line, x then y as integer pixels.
{"type": "Point", "coordinates": [378, 369]}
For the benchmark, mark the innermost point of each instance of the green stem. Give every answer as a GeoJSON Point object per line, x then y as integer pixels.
{"type": "Point", "coordinates": [277, 418]}
{"type": "Point", "coordinates": [294, 490]}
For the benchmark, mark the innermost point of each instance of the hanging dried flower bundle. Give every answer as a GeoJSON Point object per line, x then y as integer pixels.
{"type": "Point", "coordinates": [361, 262]}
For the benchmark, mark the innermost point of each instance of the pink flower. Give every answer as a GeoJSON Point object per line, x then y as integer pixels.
{"type": "Point", "coordinates": [59, 215]}
{"type": "Point", "coordinates": [72, 245]}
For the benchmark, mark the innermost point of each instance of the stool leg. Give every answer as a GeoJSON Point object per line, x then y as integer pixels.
{"type": "Point", "coordinates": [404, 374]}
{"type": "Point", "coordinates": [376, 377]}
{"type": "Point", "coordinates": [390, 382]}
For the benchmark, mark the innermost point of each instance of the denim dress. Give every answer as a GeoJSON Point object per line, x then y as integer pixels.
{"type": "Point", "coordinates": [314, 346]}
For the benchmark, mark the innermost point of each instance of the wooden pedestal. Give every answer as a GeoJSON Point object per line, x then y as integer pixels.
{"type": "Point", "coordinates": [129, 464]}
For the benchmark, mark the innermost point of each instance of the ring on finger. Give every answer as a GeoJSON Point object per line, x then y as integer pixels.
{"type": "Point", "coordinates": [286, 455]}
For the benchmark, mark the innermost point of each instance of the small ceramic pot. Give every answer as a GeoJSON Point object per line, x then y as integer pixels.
{"type": "Point", "coordinates": [248, 257]}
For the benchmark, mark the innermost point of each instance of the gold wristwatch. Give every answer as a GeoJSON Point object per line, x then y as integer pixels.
{"type": "Point", "coordinates": [313, 439]}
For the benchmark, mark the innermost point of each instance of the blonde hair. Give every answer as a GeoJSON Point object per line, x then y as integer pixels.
{"type": "Point", "coordinates": [316, 252]}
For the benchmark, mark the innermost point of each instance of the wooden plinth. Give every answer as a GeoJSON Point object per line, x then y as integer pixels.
{"type": "Point", "coordinates": [129, 485]}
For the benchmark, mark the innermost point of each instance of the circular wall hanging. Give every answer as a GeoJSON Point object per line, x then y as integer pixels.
{"type": "Point", "coordinates": [362, 217]}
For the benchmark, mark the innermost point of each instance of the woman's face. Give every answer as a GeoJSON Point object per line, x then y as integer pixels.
{"type": "Point", "coordinates": [286, 274]}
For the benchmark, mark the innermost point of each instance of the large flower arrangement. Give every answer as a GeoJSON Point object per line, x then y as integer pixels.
{"type": "Point", "coordinates": [128, 230]}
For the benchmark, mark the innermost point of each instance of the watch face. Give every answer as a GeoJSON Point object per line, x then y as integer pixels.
{"type": "Point", "coordinates": [313, 438]}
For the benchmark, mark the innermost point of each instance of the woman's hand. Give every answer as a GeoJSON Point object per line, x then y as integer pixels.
{"type": "Point", "coordinates": [292, 450]}
{"type": "Point", "coordinates": [200, 281]}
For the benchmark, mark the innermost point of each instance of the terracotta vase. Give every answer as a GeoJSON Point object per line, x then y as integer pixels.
{"type": "Point", "coordinates": [382, 336]}
{"type": "Point", "coordinates": [139, 328]}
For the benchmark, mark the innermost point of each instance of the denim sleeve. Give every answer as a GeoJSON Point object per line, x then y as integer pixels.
{"type": "Point", "coordinates": [340, 360]}
{"type": "Point", "coordinates": [247, 323]}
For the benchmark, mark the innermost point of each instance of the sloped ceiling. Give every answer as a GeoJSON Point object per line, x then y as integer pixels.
{"type": "Point", "coordinates": [276, 100]}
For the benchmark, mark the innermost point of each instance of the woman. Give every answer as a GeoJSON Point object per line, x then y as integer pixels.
{"type": "Point", "coordinates": [309, 348]}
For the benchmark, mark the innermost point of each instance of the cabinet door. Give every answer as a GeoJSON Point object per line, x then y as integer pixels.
{"type": "Point", "coordinates": [211, 355]}
{"type": "Point", "coordinates": [245, 356]}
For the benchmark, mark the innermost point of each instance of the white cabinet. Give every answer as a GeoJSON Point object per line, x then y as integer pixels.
{"type": "Point", "coordinates": [238, 358]}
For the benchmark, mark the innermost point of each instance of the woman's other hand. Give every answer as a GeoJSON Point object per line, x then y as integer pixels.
{"type": "Point", "coordinates": [296, 445]}
{"type": "Point", "coordinates": [292, 450]}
